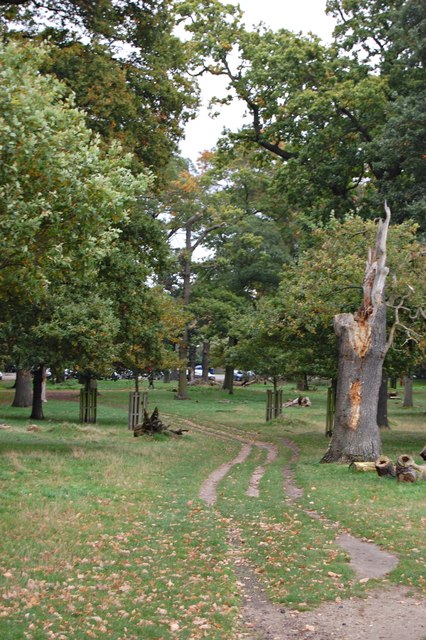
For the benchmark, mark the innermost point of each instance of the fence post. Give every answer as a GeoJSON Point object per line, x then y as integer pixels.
{"type": "Point", "coordinates": [88, 405]}
{"type": "Point", "coordinates": [138, 402]}
{"type": "Point", "coordinates": [331, 410]}
{"type": "Point", "coordinates": [269, 404]}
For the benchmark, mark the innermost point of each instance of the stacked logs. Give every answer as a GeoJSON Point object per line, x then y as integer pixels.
{"type": "Point", "coordinates": [404, 470]}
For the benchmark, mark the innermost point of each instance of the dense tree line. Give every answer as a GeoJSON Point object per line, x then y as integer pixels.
{"type": "Point", "coordinates": [94, 100]}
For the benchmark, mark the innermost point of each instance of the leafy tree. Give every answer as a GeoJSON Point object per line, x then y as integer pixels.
{"type": "Point", "coordinates": [63, 202]}
{"type": "Point", "coordinates": [123, 63]}
{"type": "Point", "coordinates": [325, 116]}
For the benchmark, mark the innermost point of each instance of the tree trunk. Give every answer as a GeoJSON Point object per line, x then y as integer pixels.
{"type": "Point", "coordinates": [23, 396]}
{"type": "Point", "coordinates": [37, 406]}
{"type": "Point", "coordinates": [408, 391]}
{"type": "Point", "coordinates": [362, 349]}
{"type": "Point", "coordinates": [182, 393]}
{"type": "Point", "coordinates": [228, 382]}
{"type": "Point", "coordinates": [205, 361]}
{"type": "Point", "coordinates": [302, 383]}
{"type": "Point", "coordinates": [382, 406]}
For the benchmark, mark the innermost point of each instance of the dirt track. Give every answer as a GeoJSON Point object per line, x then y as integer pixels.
{"type": "Point", "coordinates": [387, 613]}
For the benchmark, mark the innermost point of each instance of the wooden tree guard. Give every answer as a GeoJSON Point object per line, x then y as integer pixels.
{"type": "Point", "coordinates": [138, 403]}
{"type": "Point", "coordinates": [274, 404]}
{"type": "Point", "coordinates": [331, 410]}
{"type": "Point", "coordinates": [88, 405]}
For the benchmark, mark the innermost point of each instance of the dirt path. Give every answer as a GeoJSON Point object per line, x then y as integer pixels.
{"type": "Point", "coordinates": [388, 613]}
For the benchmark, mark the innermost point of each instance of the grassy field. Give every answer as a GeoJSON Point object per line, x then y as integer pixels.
{"type": "Point", "coordinates": [103, 534]}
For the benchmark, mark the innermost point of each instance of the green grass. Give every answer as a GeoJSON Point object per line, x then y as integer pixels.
{"type": "Point", "coordinates": [103, 534]}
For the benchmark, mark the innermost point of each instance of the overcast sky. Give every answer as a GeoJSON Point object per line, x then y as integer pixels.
{"type": "Point", "coordinates": [296, 15]}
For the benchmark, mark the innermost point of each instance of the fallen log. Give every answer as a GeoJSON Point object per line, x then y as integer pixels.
{"type": "Point", "coordinates": [405, 469]}
{"type": "Point", "coordinates": [385, 467]}
{"type": "Point", "coordinates": [301, 401]}
{"type": "Point", "coordinates": [362, 466]}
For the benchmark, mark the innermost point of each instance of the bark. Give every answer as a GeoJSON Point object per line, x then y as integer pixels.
{"type": "Point", "coordinates": [302, 383]}
{"type": "Point", "coordinates": [23, 394]}
{"type": "Point", "coordinates": [385, 467]}
{"type": "Point", "coordinates": [408, 392]}
{"type": "Point", "coordinates": [406, 469]}
{"type": "Point", "coordinates": [228, 382]}
{"type": "Point", "coordinates": [362, 349]}
{"type": "Point", "coordinates": [37, 405]}
{"type": "Point", "coordinates": [205, 361]}
{"type": "Point", "coordinates": [382, 406]}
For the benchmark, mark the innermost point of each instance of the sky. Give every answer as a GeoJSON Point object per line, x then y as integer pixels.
{"type": "Point", "coordinates": [295, 15]}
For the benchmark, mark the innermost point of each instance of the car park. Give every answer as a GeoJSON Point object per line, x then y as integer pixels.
{"type": "Point", "coordinates": [198, 372]}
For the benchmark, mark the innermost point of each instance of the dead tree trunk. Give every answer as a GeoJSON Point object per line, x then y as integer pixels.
{"type": "Point", "coordinates": [362, 349]}
{"type": "Point", "coordinates": [23, 393]}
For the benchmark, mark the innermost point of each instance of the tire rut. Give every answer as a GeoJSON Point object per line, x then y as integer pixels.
{"type": "Point", "coordinates": [385, 613]}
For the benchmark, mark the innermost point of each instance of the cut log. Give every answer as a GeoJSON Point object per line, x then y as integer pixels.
{"type": "Point", "coordinates": [301, 401]}
{"type": "Point", "coordinates": [421, 471]}
{"type": "Point", "coordinates": [405, 469]}
{"type": "Point", "coordinates": [385, 467]}
{"type": "Point", "coordinates": [362, 466]}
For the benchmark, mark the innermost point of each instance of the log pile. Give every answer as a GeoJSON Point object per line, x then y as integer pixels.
{"type": "Point", "coordinates": [405, 469]}
{"type": "Point", "coordinates": [152, 424]}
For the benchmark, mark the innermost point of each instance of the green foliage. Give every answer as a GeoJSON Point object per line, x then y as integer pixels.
{"type": "Point", "coordinates": [123, 63]}
{"type": "Point", "coordinates": [332, 120]}
{"type": "Point", "coordinates": [68, 206]}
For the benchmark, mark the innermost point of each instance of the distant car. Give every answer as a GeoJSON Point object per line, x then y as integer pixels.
{"type": "Point", "coordinates": [238, 375]}
{"type": "Point", "coordinates": [198, 372]}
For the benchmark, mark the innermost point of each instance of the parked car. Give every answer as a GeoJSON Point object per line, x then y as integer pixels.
{"type": "Point", "coordinates": [198, 372]}
{"type": "Point", "coordinates": [238, 375]}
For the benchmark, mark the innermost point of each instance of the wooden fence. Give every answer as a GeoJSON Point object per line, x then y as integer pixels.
{"type": "Point", "coordinates": [88, 405]}
{"type": "Point", "coordinates": [274, 404]}
{"type": "Point", "coordinates": [331, 410]}
{"type": "Point", "coordinates": [138, 401]}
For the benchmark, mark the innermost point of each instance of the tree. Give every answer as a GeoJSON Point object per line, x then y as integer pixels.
{"type": "Point", "coordinates": [199, 210]}
{"type": "Point", "coordinates": [362, 349]}
{"type": "Point", "coordinates": [325, 116]}
{"type": "Point", "coordinates": [63, 202]}
{"type": "Point", "coordinates": [124, 65]}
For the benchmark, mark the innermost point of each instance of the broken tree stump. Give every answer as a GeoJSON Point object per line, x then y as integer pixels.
{"type": "Point", "coordinates": [152, 424]}
{"type": "Point", "coordinates": [385, 467]}
{"type": "Point", "coordinates": [405, 469]}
